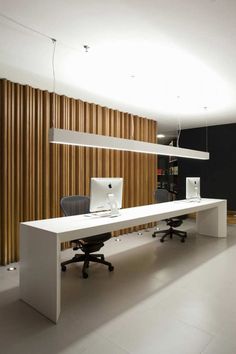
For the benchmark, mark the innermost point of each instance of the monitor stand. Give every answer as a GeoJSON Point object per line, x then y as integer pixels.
{"type": "Point", "coordinates": [113, 205]}
{"type": "Point", "coordinates": [194, 199]}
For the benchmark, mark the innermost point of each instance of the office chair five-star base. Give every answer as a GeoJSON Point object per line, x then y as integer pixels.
{"type": "Point", "coordinates": [161, 196]}
{"type": "Point", "coordinates": [87, 258]}
{"type": "Point", "coordinates": [170, 232]}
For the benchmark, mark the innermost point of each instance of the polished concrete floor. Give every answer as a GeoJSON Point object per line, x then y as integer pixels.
{"type": "Point", "coordinates": [173, 298]}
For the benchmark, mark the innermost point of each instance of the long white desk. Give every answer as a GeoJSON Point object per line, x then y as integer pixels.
{"type": "Point", "coordinates": [40, 271]}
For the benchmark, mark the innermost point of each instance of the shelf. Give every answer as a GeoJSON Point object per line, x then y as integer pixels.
{"type": "Point", "coordinates": [167, 173]}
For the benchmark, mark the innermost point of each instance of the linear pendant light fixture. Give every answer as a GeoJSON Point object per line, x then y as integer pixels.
{"type": "Point", "coordinates": [71, 137]}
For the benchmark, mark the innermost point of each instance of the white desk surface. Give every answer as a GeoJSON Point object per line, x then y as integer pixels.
{"type": "Point", "coordinates": [83, 226]}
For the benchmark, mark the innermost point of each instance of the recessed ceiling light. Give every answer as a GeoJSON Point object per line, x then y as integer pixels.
{"type": "Point", "coordinates": [86, 48]}
{"type": "Point", "coordinates": [160, 136]}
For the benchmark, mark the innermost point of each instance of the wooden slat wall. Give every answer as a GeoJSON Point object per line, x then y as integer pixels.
{"type": "Point", "coordinates": [34, 174]}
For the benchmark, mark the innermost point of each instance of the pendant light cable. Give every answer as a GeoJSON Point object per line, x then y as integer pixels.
{"type": "Point", "coordinates": [54, 43]}
{"type": "Point", "coordinates": [179, 132]}
{"type": "Point", "coordinates": [31, 29]}
{"type": "Point", "coordinates": [179, 127]}
{"type": "Point", "coordinates": [206, 128]}
{"type": "Point", "coordinates": [206, 138]}
{"type": "Point", "coordinates": [24, 26]}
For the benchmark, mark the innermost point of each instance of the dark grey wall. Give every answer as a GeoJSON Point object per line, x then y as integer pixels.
{"type": "Point", "coordinates": [218, 175]}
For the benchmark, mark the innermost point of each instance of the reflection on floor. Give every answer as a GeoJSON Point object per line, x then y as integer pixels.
{"type": "Point", "coordinates": [231, 217]}
{"type": "Point", "coordinates": [171, 298]}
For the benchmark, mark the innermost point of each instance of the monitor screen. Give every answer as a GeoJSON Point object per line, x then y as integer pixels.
{"type": "Point", "coordinates": [193, 188]}
{"type": "Point", "coordinates": [105, 194]}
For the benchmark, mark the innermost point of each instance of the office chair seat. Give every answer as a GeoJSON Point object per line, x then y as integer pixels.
{"type": "Point", "coordinates": [75, 205]}
{"type": "Point", "coordinates": [174, 222]}
{"type": "Point", "coordinates": [91, 244]}
{"type": "Point", "coordinates": [162, 195]}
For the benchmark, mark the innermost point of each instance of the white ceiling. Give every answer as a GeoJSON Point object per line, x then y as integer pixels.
{"type": "Point", "coordinates": [163, 59]}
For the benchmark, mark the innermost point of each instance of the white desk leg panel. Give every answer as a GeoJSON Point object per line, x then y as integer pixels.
{"type": "Point", "coordinates": [213, 222]}
{"type": "Point", "coordinates": [40, 278]}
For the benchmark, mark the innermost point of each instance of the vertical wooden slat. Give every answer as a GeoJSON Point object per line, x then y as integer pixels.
{"type": "Point", "coordinates": [46, 156]}
{"type": "Point", "coordinates": [93, 129]}
{"type": "Point", "coordinates": [8, 182]}
{"type": "Point", "coordinates": [13, 172]}
{"type": "Point", "coordinates": [73, 175]}
{"type": "Point", "coordinates": [132, 167]}
{"type": "Point", "coordinates": [2, 162]}
{"type": "Point", "coordinates": [117, 154]}
{"type": "Point", "coordinates": [18, 167]}
{"type": "Point", "coordinates": [126, 175]}
{"type": "Point", "coordinates": [38, 156]}
{"type": "Point", "coordinates": [34, 174]}
{"type": "Point", "coordinates": [99, 131]}
{"type": "Point", "coordinates": [81, 150]}
{"type": "Point", "coordinates": [3, 171]}
{"type": "Point", "coordinates": [55, 151]}
{"type": "Point", "coordinates": [112, 152]}
{"type": "Point", "coordinates": [105, 153]}
{"type": "Point", "coordinates": [87, 150]}
{"type": "Point", "coordinates": [137, 167]}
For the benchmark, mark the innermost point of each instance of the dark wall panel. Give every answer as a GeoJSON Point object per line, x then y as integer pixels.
{"type": "Point", "coordinates": [218, 174]}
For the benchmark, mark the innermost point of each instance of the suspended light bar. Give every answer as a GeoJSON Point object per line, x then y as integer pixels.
{"type": "Point", "coordinates": [71, 137]}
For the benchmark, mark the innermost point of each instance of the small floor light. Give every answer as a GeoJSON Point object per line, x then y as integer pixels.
{"type": "Point", "coordinates": [11, 268]}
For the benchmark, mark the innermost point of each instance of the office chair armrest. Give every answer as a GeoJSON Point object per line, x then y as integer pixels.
{"type": "Point", "coordinates": [78, 244]}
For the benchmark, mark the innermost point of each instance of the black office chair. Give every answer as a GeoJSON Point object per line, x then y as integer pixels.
{"type": "Point", "coordinates": [75, 205]}
{"type": "Point", "coordinates": [162, 195]}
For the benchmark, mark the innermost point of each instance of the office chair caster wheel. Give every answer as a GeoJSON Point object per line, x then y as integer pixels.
{"type": "Point", "coordinates": [161, 240]}
{"type": "Point", "coordinates": [85, 275]}
{"type": "Point", "coordinates": [63, 268]}
{"type": "Point", "coordinates": [153, 235]}
{"type": "Point", "coordinates": [183, 240]}
{"type": "Point", "coordinates": [110, 268]}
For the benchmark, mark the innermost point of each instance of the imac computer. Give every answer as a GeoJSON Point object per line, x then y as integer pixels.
{"type": "Point", "coordinates": [106, 194]}
{"type": "Point", "coordinates": [193, 189]}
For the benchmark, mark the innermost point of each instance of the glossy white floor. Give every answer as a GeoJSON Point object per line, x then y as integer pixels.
{"type": "Point", "coordinates": [172, 298]}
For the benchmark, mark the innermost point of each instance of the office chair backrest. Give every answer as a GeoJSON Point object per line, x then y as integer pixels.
{"type": "Point", "coordinates": [162, 195]}
{"type": "Point", "coordinates": [75, 205]}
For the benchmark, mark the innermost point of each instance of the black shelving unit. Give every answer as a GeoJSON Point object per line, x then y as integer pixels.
{"type": "Point", "coordinates": [167, 173]}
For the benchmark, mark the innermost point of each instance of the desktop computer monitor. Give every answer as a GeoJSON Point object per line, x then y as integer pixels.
{"type": "Point", "coordinates": [106, 194]}
{"type": "Point", "coordinates": [193, 188]}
